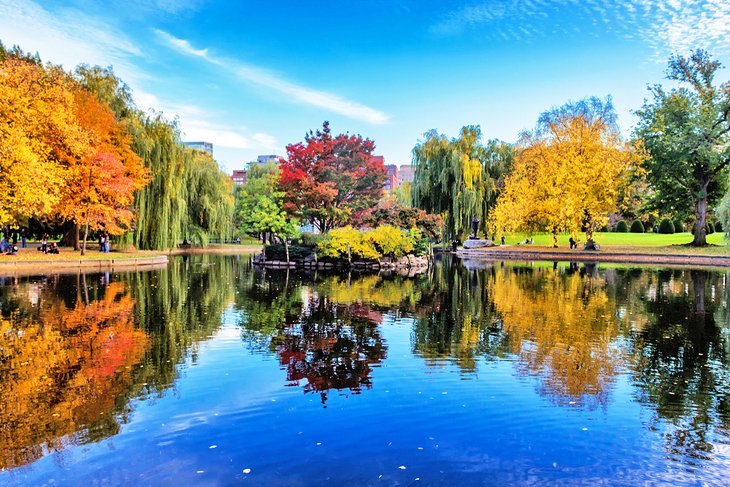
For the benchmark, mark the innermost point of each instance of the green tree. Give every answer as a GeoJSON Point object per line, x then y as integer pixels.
{"type": "Point", "coordinates": [259, 207]}
{"type": "Point", "coordinates": [685, 131]}
{"type": "Point", "coordinates": [458, 178]}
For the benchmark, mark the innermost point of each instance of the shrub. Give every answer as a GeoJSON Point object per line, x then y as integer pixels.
{"type": "Point", "coordinates": [637, 227]}
{"type": "Point", "coordinates": [678, 227]}
{"type": "Point", "coordinates": [419, 240]}
{"type": "Point", "coordinates": [710, 228]}
{"type": "Point", "coordinates": [312, 239]}
{"type": "Point", "coordinates": [390, 240]}
{"type": "Point", "coordinates": [278, 252]}
{"type": "Point", "coordinates": [666, 226]}
{"type": "Point", "coordinates": [337, 241]}
{"type": "Point", "coordinates": [621, 227]}
{"type": "Point", "coordinates": [718, 227]}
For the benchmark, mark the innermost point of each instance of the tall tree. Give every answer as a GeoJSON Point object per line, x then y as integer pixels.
{"type": "Point", "coordinates": [39, 135]}
{"type": "Point", "coordinates": [328, 179]}
{"type": "Point", "coordinates": [100, 186]}
{"type": "Point", "coordinates": [567, 173]}
{"type": "Point", "coordinates": [458, 178]}
{"type": "Point", "coordinates": [260, 207]}
{"type": "Point", "coordinates": [686, 132]}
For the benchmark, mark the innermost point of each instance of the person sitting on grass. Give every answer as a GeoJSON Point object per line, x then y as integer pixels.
{"type": "Point", "coordinates": [12, 250]}
{"type": "Point", "coordinates": [53, 249]}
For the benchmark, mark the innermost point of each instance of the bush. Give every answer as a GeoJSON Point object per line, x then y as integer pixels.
{"type": "Point", "coordinates": [390, 241]}
{"type": "Point", "coordinates": [419, 240]}
{"type": "Point", "coordinates": [311, 239]}
{"type": "Point", "coordinates": [710, 228]}
{"type": "Point", "coordinates": [718, 227]}
{"type": "Point", "coordinates": [621, 227]}
{"type": "Point", "coordinates": [637, 227]}
{"type": "Point", "coordinates": [278, 252]}
{"type": "Point", "coordinates": [666, 226]}
{"type": "Point", "coordinates": [678, 227]}
{"type": "Point", "coordinates": [337, 241]}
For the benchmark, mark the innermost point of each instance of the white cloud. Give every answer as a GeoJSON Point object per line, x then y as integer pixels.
{"type": "Point", "coordinates": [268, 80]}
{"type": "Point", "coordinates": [68, 37]}
{"type": "Point", "coordinates": [666, 26]}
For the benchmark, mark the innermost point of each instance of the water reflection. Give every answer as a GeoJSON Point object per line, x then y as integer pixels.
{"type": "Point", "coordinates": [63, 365]}
{"type": "Point", "coordinates": [324, 330]}
{"type": "Point", "coordinates": [75, 349]}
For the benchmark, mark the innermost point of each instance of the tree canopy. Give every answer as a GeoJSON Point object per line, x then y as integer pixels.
{"type": "Point", "coordinates": [458, 178]}
{"type": "Point", "coordinates": [330, 178]}
{"type": "Point", "coordinates": [567, 172]}
{"type": "Point", "coordinates": [686, 133]}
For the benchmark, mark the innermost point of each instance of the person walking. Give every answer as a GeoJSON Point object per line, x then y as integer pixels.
{"type": "Point", "coordinates": [23, 238]}
{"type": "Point", "coordinates": [106, 242]}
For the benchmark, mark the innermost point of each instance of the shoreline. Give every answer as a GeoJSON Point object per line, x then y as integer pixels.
{"type": "Point", "coordinates": [70, 261]}
{"type": "Point", "coordinates": [552, 255]}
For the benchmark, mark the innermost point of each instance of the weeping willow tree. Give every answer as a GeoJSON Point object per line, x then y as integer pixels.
{"type": "Point", "coordinates": [209, 200]}
{"type": "Point", "coordinates": [188, 196]}
{"type": "Point", "coordinates": [458, 178]}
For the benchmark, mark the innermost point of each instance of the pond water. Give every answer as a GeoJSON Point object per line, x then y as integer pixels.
{"type": "Point", "coordinates": [212, 373]}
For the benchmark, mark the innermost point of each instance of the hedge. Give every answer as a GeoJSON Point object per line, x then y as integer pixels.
{"type": "Point", "coordinates": [621, 227]}
{"type": "Point", "coordinates": [666, 226]}
{"type": "Point", "coordinates": [637, 227]}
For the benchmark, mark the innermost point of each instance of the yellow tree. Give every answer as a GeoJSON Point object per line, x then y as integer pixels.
{"type": "Point", "coordinates": [567, 173]}
{"type": "Point", "coordinates": [37, 131]}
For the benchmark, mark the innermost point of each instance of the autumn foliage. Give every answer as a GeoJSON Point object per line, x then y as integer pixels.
{"type": "Point", "coordinates": [63, 155]}
{"type": "Point", "coordinates": [330, 179]}
{"type": "Point", "coordinates": [63, 372]}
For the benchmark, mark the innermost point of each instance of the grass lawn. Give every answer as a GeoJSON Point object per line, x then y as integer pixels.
{"type": "Point", "coordinates": [66, 253]}
{"type": "Point", "coordinates": [633, 242]}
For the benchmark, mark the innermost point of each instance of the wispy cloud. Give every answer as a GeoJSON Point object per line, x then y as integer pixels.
{"type": "Point", "coordinates": [665, 26]}
{"type": "Point", "coordinates": [68, 37]}
{"type": "Point", "coordinates": [195, 124]}
{"type": "Point", "coordinates": [268, 80]}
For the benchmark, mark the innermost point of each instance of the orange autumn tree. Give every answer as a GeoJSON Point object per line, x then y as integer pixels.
{"type": "Point", "coordinates": [38, 129]}
{"type": "Point", "coordinates": [100, 185]}
{"type": "Point", "coordinates": [65, 373]}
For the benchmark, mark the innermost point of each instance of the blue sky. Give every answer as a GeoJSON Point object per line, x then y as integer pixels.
{"type": "Point", "coordinates": [254, 76]}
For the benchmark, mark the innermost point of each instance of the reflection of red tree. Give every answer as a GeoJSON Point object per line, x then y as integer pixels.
{"type": "Point", "coordinates": [331, 353]}
{"type": "Point", "coordinates": [63, 375]}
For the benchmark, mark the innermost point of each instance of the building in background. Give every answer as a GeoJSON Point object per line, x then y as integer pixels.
{"type": "Point", "coordinates": [239, 177]}
{"type": "Point", "coordinates": [391, 181]}
{"type": "Point", "coordinates": [405, 174]}
{"type": "Point", "coordinates": [201, 146]}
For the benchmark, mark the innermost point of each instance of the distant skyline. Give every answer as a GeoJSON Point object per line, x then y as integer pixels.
{"type": "Point", "coordinates": [252, 77]}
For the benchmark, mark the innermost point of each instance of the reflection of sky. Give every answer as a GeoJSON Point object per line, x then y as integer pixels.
{"type": "Point", "coordinates": [230, 411]}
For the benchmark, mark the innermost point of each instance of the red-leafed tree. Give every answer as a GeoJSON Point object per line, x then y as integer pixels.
{"type": "Point", "coordinates": [329, 179]}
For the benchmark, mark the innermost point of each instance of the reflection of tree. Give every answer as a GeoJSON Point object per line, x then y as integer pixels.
{"type": "Point", "coordinates": [63, 372]}
{"type": "Point", "coordinates": [562, 326]}
{"type": "Point", "coordinates": [455, 319]}
{"type": "Point", "coordinates": [680, 358]}
{"type": "Point", "coordinates": [179, 307]}
{"type": "Point", "coordinates": [325, 333]}
{"type": "Point", "coordinates": [331, 347]}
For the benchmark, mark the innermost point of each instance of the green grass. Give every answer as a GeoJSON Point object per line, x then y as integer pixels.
{"type": "Point", "coordinates": [633, 242]}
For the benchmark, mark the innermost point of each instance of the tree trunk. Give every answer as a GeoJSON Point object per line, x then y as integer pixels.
{"type": "Point", "coordinates": [263, 252]}
{"type": "Point", "coordinates": [86, 230]}
{"type": "Point", "coordinates": [555, 239]}
{"type": "Point", "coordinates": [700, 230]}
{"type": "Point", "coordinates": [286, 249]}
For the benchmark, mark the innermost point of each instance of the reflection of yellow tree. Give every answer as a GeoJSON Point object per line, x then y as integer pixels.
{"type": "Point", "coordinates": [64, 373]}
{"type": "Point", "coordinates": [370, 289]}
{"type": "Point", "coordinates": [562, 327]}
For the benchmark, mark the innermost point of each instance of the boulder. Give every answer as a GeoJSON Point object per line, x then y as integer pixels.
{"type": "Point", "coordinates": [477, 244]}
